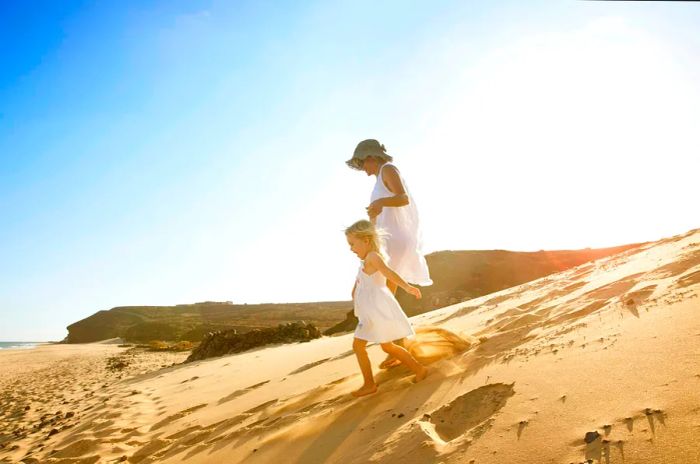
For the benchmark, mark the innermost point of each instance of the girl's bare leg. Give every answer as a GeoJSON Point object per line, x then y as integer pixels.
{"type": "Point", "coordinates": [405, 357]}
{"type": "Point", "coordinates": [369, 387]}
{"type": "Point", "coordinates": [391, 361]}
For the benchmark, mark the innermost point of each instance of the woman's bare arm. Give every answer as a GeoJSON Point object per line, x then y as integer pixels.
{"type": "Point", "coordinates": [392, 180]}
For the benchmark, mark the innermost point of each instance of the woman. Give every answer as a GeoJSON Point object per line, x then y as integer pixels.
{"type": "Point", "coordinates": [392, 209]}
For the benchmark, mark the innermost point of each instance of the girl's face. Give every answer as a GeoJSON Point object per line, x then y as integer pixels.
{"type": "Point", "coordinates": [358, 245]}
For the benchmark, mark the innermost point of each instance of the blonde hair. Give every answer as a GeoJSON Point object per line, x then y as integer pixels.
{"type": "Point", "coordinates": [364, 229]}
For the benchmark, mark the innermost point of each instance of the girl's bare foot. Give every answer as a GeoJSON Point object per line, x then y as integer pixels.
{"type": "Point", "coordinates": [421, 375]}
{"type": "Point", "coordinates": [364, 390]}
{"type": "Point", "coordinates": [390, 361]}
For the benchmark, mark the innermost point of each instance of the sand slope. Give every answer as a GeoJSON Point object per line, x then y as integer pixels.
{"type": "Point", "coordinates": [609, 350]}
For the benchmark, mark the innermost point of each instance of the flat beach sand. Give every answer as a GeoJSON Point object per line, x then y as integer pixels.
{"type": "Point", "coordinates": [600, 363]}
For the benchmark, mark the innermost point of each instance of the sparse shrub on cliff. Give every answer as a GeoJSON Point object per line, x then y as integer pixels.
{"type": "Point", "coordinates": [229, 341]}
{"type": "Point", "coordinates": [158, 345]}
{"type": "Point", "coordinates": [184, 345]}
{"type": "Point", "coordinates": [146, 331]}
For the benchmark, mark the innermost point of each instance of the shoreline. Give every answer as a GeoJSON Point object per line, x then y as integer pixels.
{"type": "Point", "coordinates": [22, 345]}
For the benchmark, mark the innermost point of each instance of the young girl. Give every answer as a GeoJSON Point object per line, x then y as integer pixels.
{"type": "Point", "coordinates": [381, 319]}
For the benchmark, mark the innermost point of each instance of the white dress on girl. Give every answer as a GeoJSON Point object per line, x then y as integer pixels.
{"type": "Point", "coordinates": [381, 319]}
{"type": "Point", "coordinates": [403, 246]}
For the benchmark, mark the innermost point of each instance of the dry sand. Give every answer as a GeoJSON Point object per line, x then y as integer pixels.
{"type": "Point", "coordinates": [49, 390]}
{"type": "Point", "coordinates": [608, 351]}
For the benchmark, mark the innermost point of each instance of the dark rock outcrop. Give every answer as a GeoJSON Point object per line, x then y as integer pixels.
{"type": "Point", "coordinates": [230, 341]}
{"type": "Point", "coordinates": [346, 325]}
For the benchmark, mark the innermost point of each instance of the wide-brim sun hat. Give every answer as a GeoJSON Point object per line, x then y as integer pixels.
{"type": "Point", "coordinates": [364, 150]}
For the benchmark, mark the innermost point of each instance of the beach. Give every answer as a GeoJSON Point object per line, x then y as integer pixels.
{"type": "Point", "coordinates": [46, 390]}
{"type": "Point", "coordinates": [599, 363]}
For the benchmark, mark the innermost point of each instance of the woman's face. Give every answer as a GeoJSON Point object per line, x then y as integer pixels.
{"type": "Point", "coordinates": [370, 165]}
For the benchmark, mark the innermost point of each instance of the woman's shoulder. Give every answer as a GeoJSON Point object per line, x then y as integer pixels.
{"type": "Point", "coordinates": [391, 167]}
{"type": "Point", "coordinates": [392, 179]}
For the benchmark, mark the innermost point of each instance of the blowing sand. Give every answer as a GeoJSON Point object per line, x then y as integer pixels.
{"type": "Point", "coordinates": [600, 363]}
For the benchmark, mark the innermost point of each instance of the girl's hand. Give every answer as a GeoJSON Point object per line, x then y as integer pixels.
{"type": "Point", "coordinates": [374, 209]}
{"type": "Point", "coordinates": [414, 291]}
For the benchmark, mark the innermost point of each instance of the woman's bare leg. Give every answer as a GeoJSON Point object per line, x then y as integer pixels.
{"type": "Point", "coordinates": [405, 357]}
{"type": "Point", "coordinates": [391, 361]}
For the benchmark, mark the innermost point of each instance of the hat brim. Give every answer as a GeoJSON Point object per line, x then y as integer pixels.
{"type": "Point", "coordinates": [354, 163]}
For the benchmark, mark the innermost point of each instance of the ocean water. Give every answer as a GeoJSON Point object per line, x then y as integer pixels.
{"type": "Point", "coordinates": [16, 345]}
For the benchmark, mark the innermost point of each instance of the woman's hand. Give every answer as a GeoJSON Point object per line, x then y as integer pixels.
{"type": "Point", "coordinates": [374, 209]}
{"type": "Point", "coordinates": [414, 291]}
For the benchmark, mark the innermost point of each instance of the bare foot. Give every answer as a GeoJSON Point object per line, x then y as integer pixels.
{"type": "Point", "coordinates": [390, 361]}
{"type": "Point", "coordinates": [364, 390]}
{"type": "Point", "coordinates": [421, 375]}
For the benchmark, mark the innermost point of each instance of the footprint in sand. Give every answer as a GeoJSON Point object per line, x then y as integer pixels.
{"type": "Point", "coordinates": [688, 280]}
{"type": "Point", "coordinates": [652, 415]}
{"type": "Point", "coordinates": [177, 416]}
{"type": "Point", "coordinates": [261, 407]}
{"type": "Point", "coordinates": [306, 367]}
{"type": "Point", "coordinates": [77, 449]}
{"type": "Point", "coordinates": [343, 379]}
{"type": "Point", "coordinates": [521, 426]}
{"type": "Point", "coordinates": [468, 411]}
{"type": "Point", "coordinates": [462, 421]}
{"type": "Point", "coordinates": [500, 299]}
{"type": "Point", "coordinates": [241, 392]}
{"type": "Point", "coordinates": [464, 311]}
{"type": "Point", "coordinates": [343, 355]}
{"type": "Point", "coordinates": [686, 262]}
{"type": "Point", "coordinates": [582, 271]}
{"type": "Point", "coordinates": [149, 450]}
{"type": "Point", "coordinates": [184, 433]}
{"type": "Point", "coordinates": [613, 289]}
{"type": "Point", "coordinates": [633, 299]}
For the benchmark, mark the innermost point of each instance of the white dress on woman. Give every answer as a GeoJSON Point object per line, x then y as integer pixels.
{"type": "Point", "coordinates": [403, 246]}
{"type": "Point", "coordinates": [381, 319]}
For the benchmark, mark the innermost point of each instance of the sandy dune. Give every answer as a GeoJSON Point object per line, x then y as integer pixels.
{"type": "Point", "coordinates": [599, 363]}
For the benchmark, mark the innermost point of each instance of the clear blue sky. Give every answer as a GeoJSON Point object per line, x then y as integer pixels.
{"type": "Point", "coordinates": [172, 152]}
